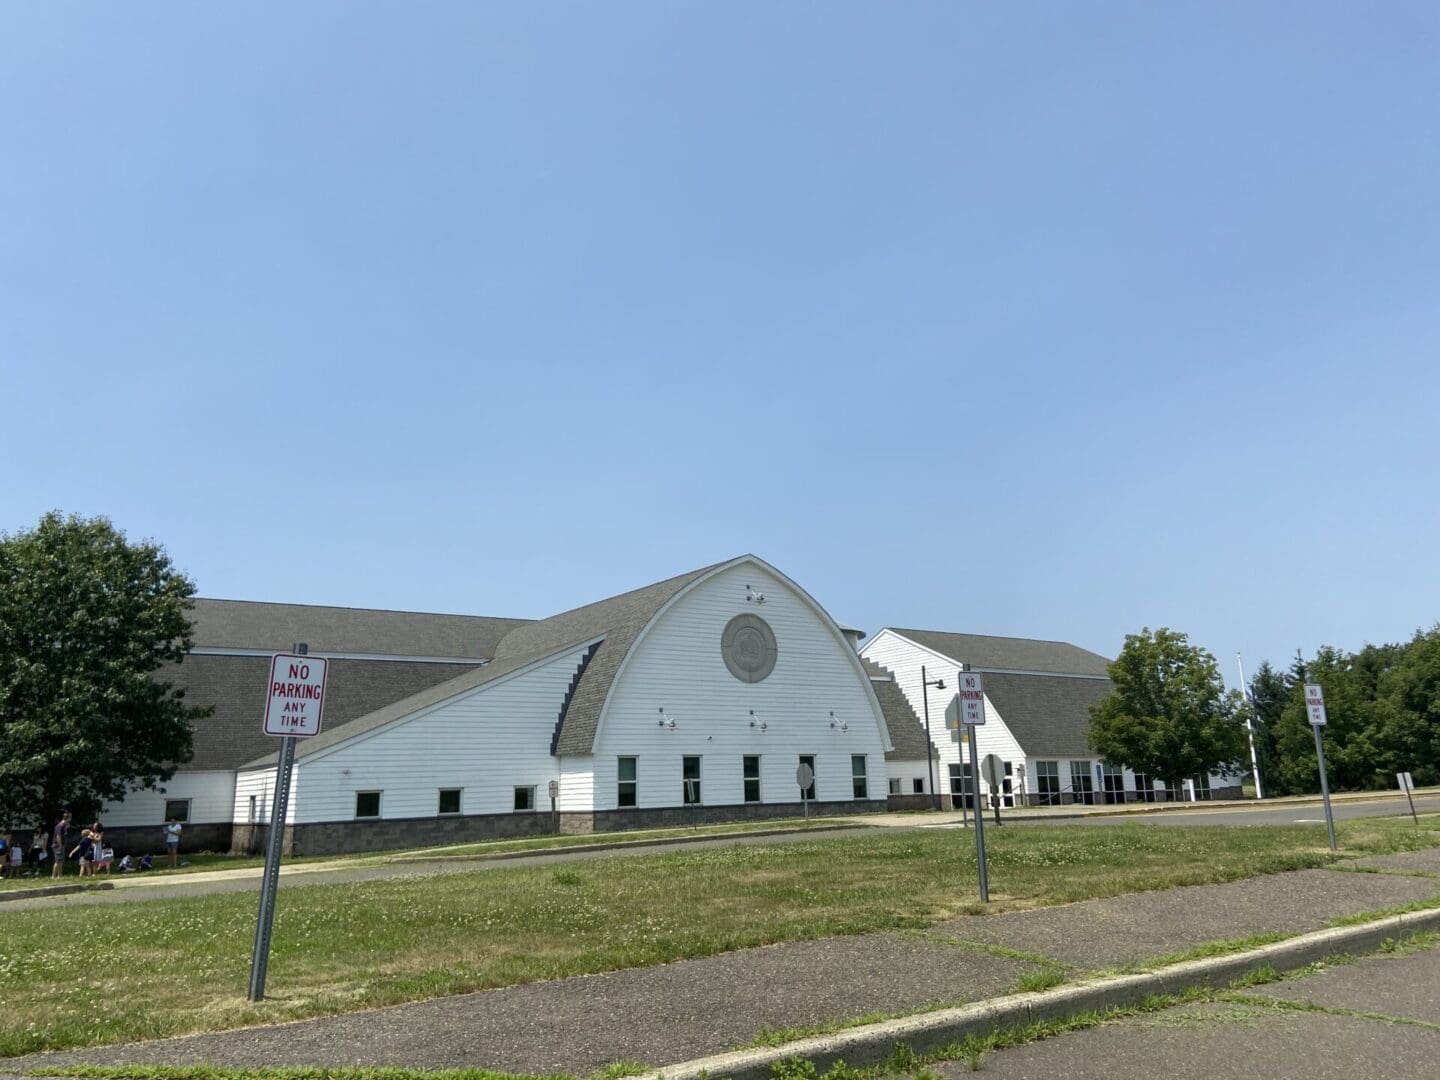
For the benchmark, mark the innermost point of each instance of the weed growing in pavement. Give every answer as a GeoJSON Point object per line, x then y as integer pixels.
{"type": "Point", "coordinates": [1427, 904]}
{"type": "Point", "coordinates": [1032, 982]}
{"type": "Point", "coordinates": [1203, 952]}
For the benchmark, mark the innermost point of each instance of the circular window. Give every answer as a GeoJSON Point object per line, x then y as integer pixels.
{"type": "Point", "coordinates": [748, 646]}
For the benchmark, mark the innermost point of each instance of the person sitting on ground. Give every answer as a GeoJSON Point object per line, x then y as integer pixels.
{"type": "Point", "coordinates": [146, 862]}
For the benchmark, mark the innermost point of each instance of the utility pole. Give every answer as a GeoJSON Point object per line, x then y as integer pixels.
{"type": "Point", "coordinates": [925, 685]}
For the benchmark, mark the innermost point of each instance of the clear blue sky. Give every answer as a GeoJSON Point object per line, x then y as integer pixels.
{"type": "Point", "coordinates": [1054, 320]}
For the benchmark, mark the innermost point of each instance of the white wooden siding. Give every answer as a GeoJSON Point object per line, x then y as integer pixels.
{"type": "Point", "coordinates": [904, 659]}
{"type": "Point", "coordinates": [577, 785]}
{"type": "Point", "coordinates": [261, 784]}
{"type": "Point", "coordinates": [678, 666]}
{"type": "Point", "coordinates": [210, 793]}
{"type": "Point", "coordinates": [487, 742]}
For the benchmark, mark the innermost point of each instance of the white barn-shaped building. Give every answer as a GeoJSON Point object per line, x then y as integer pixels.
{"type": "Point", "coordinates": [693, 699]}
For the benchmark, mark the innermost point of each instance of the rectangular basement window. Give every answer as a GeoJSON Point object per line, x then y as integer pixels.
{"type": "Point", "coordinates": [917, 785]}
{"type": "Point", "coordinates": [894, 785]}
{"type": "Point", "coordinates": [525, 798]}
{"type": "Point", "coordinates": [367, 804]}
{"type": "Point", "coordinates": [449, 800]}
{"type": "Point", "coordinates": [177, 810]}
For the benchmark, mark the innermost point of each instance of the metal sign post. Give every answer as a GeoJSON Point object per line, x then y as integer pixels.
{"type": "Point", "coordinates": [294, 706]}
{"type": "Point", "coordinates": [805, 776]}
{"type": "Point", "coordinates": [1407, 785]}
{"type": "Point", "coordinates": [957, 735]}
{"type": "Point", "coordinates": [1315, 707]}
{"type": "Point", "coordinates": [972, 714]}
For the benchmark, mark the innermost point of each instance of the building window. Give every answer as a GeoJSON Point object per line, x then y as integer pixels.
{"type": "Point", "coordinates": [367, 804]}
{"type": "Point", "coordinates": [1047, 783]}
{"type": "Point", "coordinates": [449, 801]}
{"type": "Point", "coordinates": [917, 785]}
{"type": "Point", "coordinates": [525, 798]}
{"type": "Point", "coordinates": [809, 792]}
{"type": "Point", "coordinates": [962, 783]}
{"type": "Point", "coordinates": [1112, 783]}
{"type": "Point", "coordinates": [894, 785]}
{"type": "Point", "coordinates": [625, 796]}
{"type": "Point", "coordinates": [858, 779]}
{"type": "Point", "coordinates": [177, 810]}
{"type": "Point", "coordinates": [1082, 783]}
{"type": "Point", "coordinates": [1144, 788]}
{"type": "Point", "coordinates": [250, 813]}
{"type": "Point", "coordinates": [690, 774]}
{"type": "Point", "coordinates": [751, 772]}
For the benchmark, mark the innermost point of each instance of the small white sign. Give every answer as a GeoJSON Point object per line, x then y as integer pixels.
{"type": "Point", "coordinates": [1407, 782]}
{"type": "Point", "coordinates": [295, 700]}
{"type": "Point", "coordinates": [972, 699]}
{"type": "Point", "coordinates": [1315, 704]}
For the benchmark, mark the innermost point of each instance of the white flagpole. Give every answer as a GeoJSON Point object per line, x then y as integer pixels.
{"type": "Point", "coordinates": [1250, 727]}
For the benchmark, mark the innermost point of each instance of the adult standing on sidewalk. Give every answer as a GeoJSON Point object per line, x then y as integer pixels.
{"type": "Point", "coordinates": [59, 838]}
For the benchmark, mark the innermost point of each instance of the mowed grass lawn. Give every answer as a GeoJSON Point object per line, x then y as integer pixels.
{"type": "Point", "coordinates": [85, 975]}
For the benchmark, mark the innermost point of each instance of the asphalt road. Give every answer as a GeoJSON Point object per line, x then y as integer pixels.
{"type": "Point", "coordinates": [1262, 814]}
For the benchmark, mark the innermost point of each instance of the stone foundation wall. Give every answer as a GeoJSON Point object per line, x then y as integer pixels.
{"type": "Point", "coordinates": [680, 816]}
{"type": "Point", "coordinates": [150, 840]}
{"type": "Point", "coordinates": [909, 802]}
{"type": "Point", "coordinates": [354, 837]}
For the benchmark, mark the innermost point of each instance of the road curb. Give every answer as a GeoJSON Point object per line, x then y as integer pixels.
{"type": "Point", "coordinates": [572, 849]}
{"type": "Point", "coordinates": [928, 1032]}
{"type": "Point", "coordinates": [54, 890]}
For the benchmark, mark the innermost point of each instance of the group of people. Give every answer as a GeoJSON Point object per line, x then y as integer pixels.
{"type": "Point", "coordinates": [59, 844]}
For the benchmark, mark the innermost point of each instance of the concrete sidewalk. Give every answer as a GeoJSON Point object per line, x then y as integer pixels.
{"type": "Point", "coordinates": [682, 1011]}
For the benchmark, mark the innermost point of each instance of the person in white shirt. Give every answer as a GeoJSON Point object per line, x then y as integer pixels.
{"type": "Point", "coordinates": [172, 841]}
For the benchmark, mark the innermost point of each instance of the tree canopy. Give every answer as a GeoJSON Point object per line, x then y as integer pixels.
{"type": "Point", "coordinates": [1383, 705]}
{"type": "Point", "coordinates": [86, 620]}
{"type": "Point", "coordinates": [1169, 715]}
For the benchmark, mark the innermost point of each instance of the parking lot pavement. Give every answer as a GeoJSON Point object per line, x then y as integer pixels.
{"type": "Point", "coordinates": [1142, 926]}
{"type": "Point", "coordinates": [1222, 1042]}
{"type": "Point", "coordinates": [1406, 986]}
{"type": "Point", "coordinates": [1286, 1040]}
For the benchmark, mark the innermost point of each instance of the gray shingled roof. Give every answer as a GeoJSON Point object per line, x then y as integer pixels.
{"type": "Point", "coordinates": [247, 624]}
{"type": "Point", "coordinates": [235, 686]}
{"type": "Point", "coordinates": [1049, 715]}
{"type": "Point", "coordinates": [907, 734]}
{"type": "Point", "coordinates": [618, 620]}
{"type": "Point", "coordinates": [1010, 654]}
{"type": "Point", "coordinates": [468, 679]}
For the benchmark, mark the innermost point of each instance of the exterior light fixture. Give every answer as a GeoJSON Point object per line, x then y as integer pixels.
{"type": "Point", "coordinates": [666, 721]}
{"type": "Point", "coordinates": [839, 725]}
{"type": "Point", "coordinates": [751, 596]}
{"type": "Point", "coordinates": [756, 722]}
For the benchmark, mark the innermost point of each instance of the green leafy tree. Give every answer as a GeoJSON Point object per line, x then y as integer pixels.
{"type": "Point", "coordinates": [1356, 756]}
{"type": "Point", "coordinates": [1169, 715]}
{"type": "Point", "coordinates": [86, 620]}
{"type": "Point", "coordinates": [1407, 713]}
